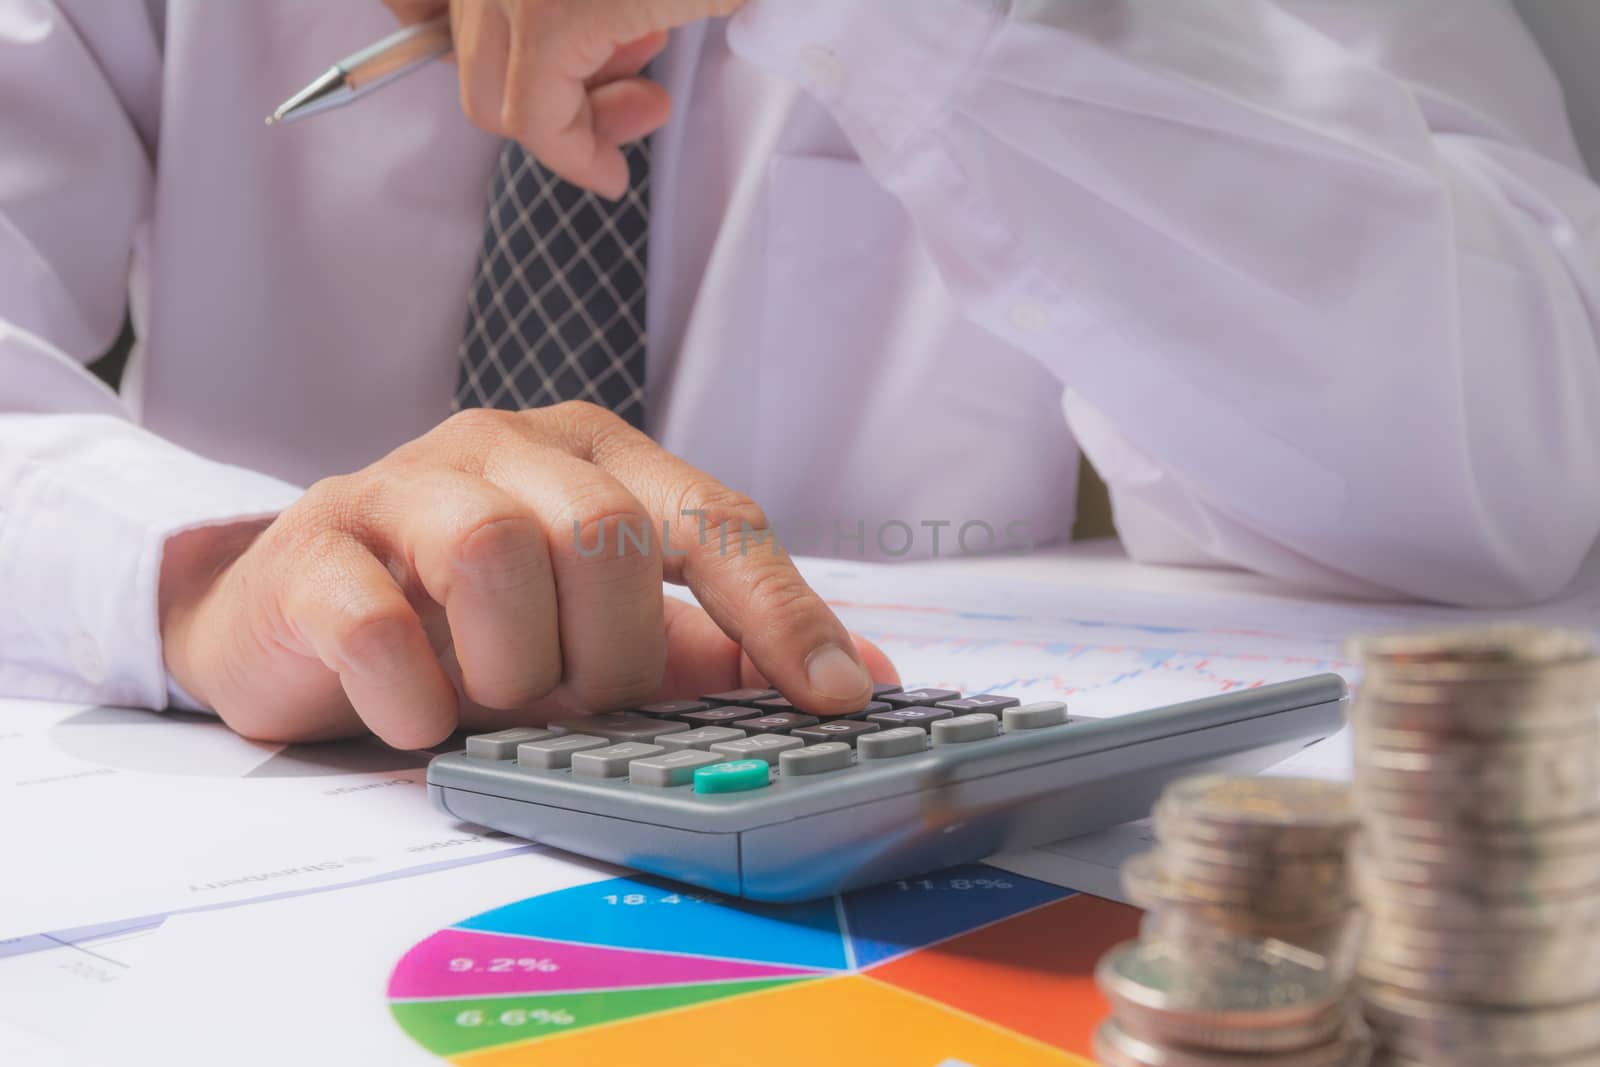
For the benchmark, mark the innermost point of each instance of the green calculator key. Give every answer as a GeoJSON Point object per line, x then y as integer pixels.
{"type": "Point", "coordinates": [736, 776]}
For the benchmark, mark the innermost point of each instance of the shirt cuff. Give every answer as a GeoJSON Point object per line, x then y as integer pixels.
{"type": "Point", "coordinates": [81, 543]}
{"type": "Point", "coordinates": [887, 70]}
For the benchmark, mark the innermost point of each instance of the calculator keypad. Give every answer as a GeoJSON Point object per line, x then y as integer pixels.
{"type": "Point", "coordinates": [1035, 716]}
{"type": "Point", "coordinates": [921, 718]}
{"type": "Point", "coordinates": [611, 761]}
{"type": "Point", "coordinates": [887, 744]}
{"type": "Point", "coordinates": [912, 697]}
{"type": "Point", "coordinates": [670, 768]}
{"type": "Point", "coordinates": [502, 744]}
{"type": "Point", "coordinates": [702, 739]}
{"type": "Point", "coordinates": [777, 723]}
{"type": "Point", "coordinates": [762, 747]}
{"type": "Point", "coordinates": [730, 742]}
{"type": "Point", "coordinates": [741, 696]}
{"type": "Point", "coordinates": [620, 726]}
{"type": "Point", "coordinates": [671, 709]}
{"type": "Point", "coordinates": [964, 728]}
{"type": "Point", "coordinates": [725, 716]}
{"type": "Point", "coordinates": [815, 759]}
{"type": "Point", "coordinates": [870, 710]}
{"type": "Point", "coordinates": [555, 753]}
{"type": "Point", "coordinates": [844, 730]}
{"type": "Point", "coordinates": [992, 703]}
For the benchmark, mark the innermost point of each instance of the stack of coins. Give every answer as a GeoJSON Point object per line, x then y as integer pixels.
{"type": "Point", "coordinates": [1250, 858]}
{"type": "Point", "coordinates": [1224, 1004]}
{"type": "Point", "coordinates": [1478, 784]}
{"type": "Point", "coordinates": [1245, 952]}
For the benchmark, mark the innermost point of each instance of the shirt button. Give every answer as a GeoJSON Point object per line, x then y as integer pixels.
{"type": "Point", "coordinates": [91, 666]}
{"type": "Point", "coordinates": [1028, 317]}
{"type": "Point", "coordinates": [822, 66]}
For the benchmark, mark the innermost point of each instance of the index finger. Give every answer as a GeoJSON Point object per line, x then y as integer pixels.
{"type": "Point", "coordinates": [746, 581]}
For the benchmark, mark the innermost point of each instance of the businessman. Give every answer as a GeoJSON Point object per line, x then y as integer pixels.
{"type": "Point", "coordinates": [1313, 283]}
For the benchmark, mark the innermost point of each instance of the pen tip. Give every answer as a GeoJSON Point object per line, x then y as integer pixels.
{"type": "Point", "coordinates": [271, 119]}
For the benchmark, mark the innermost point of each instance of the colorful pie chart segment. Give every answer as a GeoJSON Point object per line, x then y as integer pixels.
{"type": "Point", "coordinates": [972, 966]}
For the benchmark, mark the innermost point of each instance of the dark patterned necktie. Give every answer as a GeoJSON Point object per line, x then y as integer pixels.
{"type": "Point", "coordinates": [557, 307]}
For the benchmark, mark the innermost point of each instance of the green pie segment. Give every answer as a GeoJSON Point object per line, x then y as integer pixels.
{"type": "Point", "coordinates": [450, 1027]}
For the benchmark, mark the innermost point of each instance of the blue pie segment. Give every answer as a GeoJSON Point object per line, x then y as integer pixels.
{"type": "Point", "coordinates": [889, 920]}
{"type": "Point", "coordinates": [641, 913]}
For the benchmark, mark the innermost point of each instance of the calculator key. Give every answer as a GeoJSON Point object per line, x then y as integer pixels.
{"type": "Point", "coordinates": [993, 703]}
{"type": "Point", "coordinates": [883, 687]}
{"type": "Point", "coordinates": [774, 704]}
{"type": "Point", "coordinates": [740, 696]}
{"type": "Point", "coordinates": [502, 744]}
{"type": "Point", "coordinates": [921, 718]}
{"type": "Point", "coordinates": [871, 709]}
{"type": "Point", "coordinates": [815, 759]}
{"type": "Point", "coordinates": [979, 726]}
{"type": "Point", "coordinates": [734, 777]}
{"type": "Point", "coordinates": [619, 726]}
{"type": "Point", "coordinates": [555, 753]}
{"type": "Point", "coordinates": [702, 739]}
{"type": "Point", "coordinates": [718, 716]}
{"type": "Point", "coordinates": [1035, 716]}
{"type": "Point", "coordinates": [843, 730]}
{"type": "Point", "coordinates": [671, 709]}
{"type": "Point", "coordinates": [902, 741]}
{"type": "Point", "coordinates": [912, 697]}
{"type": "Point", "coordinates": [777, 723]}
{"type": "Point", "coordinates": [762, 747]}
{"type": "Point", "coordinates": [611, 761]}
{"type": "Point", "coordinates": [670, 768]}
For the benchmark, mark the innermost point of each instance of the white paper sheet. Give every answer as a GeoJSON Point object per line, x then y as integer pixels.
{"type": "Point", "coordinates": [108, 815]}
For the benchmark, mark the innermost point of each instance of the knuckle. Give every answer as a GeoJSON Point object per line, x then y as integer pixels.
{"type": "Point", "coordinates": [781, 597]}
{"type": "Point", "coordinates": [606, 521]}
{"type": "Point", "coordinates": [317, 519]}
{"type": "Point", "coordinates": [719, 507]}
{"type": "Point", "coordinates": [582, 413]}
{"type": "Point", "coordinates": [369, 633]}
{"type": "Point", "coordinates": [510, 545]}
{"type": "Point", "coordinates": [478, 425]}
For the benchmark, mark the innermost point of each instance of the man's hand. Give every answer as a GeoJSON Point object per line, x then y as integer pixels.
{"type": "Point", "coordinates": [517, 556]}
{"type": "Point", "coordinates": [562, 76]}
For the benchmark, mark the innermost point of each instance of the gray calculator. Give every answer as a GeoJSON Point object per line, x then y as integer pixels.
{"type": "Point", "coordinates": [744, 794]}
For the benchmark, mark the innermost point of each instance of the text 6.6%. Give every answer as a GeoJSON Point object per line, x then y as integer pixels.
{"type": "Point", "coordinates": [475, 1017]}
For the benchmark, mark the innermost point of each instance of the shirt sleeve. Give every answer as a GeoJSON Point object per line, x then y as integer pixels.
{"type": "Point", "coordinates": [87, 499]}
{"type": "Point", "coordinates": [1324, 298]}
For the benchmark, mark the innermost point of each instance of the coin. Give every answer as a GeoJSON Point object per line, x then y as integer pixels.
{"type": "Point", "coordinates": [1149, 886]}
{"type": "Point", "coordinates": [1287, 816]}
{"type": "Point", "coordinates": [1487, 986]}
{"type": "Point", "coordinates": [1334, 939]}
{"type": "Point", "coordinates": [1485, 872]}
{"type": "Point", "coordinates": [1114, 1047]}
{"type": "Point", "coordinates": [1396, 834]}
{"type": "Point", "coordinates": [1473, 1035]}
{"type": "Point", "coordinates": [1477, 774]}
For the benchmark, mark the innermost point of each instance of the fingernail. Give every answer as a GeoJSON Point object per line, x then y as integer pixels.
{"type": "Point", "coordinates": [834, 674]}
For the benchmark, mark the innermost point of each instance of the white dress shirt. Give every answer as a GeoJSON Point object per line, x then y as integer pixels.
{"type": "Point", "coordinates": [1315, 283]}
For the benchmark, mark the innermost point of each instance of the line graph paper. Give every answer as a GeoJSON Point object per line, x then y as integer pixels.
{"type": "Point", "coordinates": [1099, 666]}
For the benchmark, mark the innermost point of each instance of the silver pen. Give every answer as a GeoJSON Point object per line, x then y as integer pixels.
{"type": "Point", "coordinates": [354, 76]}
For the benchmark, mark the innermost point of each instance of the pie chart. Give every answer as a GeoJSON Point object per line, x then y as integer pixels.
{"type": "Point", "coordinates": [970, 967]}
